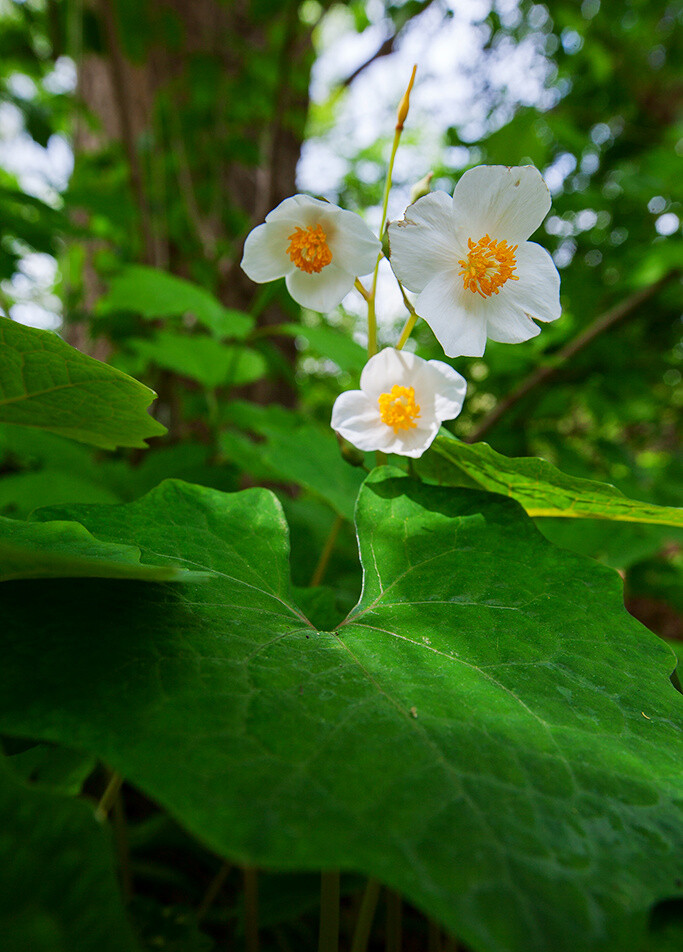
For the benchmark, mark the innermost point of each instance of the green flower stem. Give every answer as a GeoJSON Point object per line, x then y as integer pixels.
{"type": "Point", "coordinates": [394, 923]}
{"type": "Point", "coordinates": [108, 797]}
{"type": "Point", "coordinates": [433, 936]}
{"type": "Point", "coordinates": [214, 888]}
{"type": "Point", "coordinates": [251, 909]}
{"type": "Point", "coordinates": [366, 914]}
{"type": "Point", "coordinates": [328, 940]}
{"type": "Point", "coordinates": [412, 320]}
{"type": "Point", "coordinates": [372, 315]}
{"type": "Point", "coordinates": [362, 290]}
{"type": "Point", "coordinates": [321, 567]}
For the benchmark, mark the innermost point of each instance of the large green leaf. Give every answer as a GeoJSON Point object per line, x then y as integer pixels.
{"type": "Point", "coordinates": [331, 343]}
{"type": "Point", "coordinates": [153, 293]}
{"type": "Point", "coordinates": [537, 485]}
{"type": "Point", "coordinates": [58, 891]}
{"type": "Point", "coordinates": [45, 383]}
{"type": "Point", "coordinates": [62, 549]}
{"type": "Point", "coordinates": [489, 732]}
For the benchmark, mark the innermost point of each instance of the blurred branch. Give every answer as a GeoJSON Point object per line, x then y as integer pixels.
{"type": "Point", "coordinates": [606, 321]}
{"type": "Point", "coordinates": [389, 45]}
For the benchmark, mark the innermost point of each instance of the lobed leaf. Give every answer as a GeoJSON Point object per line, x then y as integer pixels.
{"type": "Point", "coordinates": [487, 731]}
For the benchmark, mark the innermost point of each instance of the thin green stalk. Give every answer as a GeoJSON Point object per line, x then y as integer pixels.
{"type": "Point", "coordinates": [362, 290]}
{"type": "Point", "coordinates": [372, 315]}
{"type": "Point", "coordinates": [108, 797]}
{"type": "Point", "coordinates": [394, 921]}
{"type": "Point", "coordinates": [328, 940]}
{"type": "Point", "coordinates": [366, 914]}
{"type": "Point", "coordinates": [214, 888]}
{"type": "Point", "coordinates": [321, 567]}
{"type": "Point", "coordinates": [433, 936]}
{"type": "Point", "coordinates": [412, 320]}
{"type": "Point", "coordinates": [251, 909]}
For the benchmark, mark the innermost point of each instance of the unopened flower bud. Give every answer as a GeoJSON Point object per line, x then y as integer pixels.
{"type": "Point", "coordinates": [421, 188]}
{"type": "Point", "coordinates": [404, 104]}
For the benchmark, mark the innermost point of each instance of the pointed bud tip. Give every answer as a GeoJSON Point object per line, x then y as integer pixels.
{"type": "Point", "coordinates": [404, 105]}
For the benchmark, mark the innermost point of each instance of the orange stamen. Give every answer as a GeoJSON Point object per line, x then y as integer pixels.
{"type": "Point", "coordinates": [488, 266]}
{"type": "Point", "coordinates": [308, 249]}
{"type": "Point", "coordinates": [398, 408]}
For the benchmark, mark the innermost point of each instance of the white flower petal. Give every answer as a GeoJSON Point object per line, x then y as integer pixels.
{"type": "Point", "coordinates": [354, 247]}
{"type": "Point", "coordinates": [456, 315]}
{"type": "Point", "coordinates": [411, 442]}
{"type": "Point", "coordinates": [508, 324]}
{"type": "Point", "coordinates": [387, 368]}
{"type": "Point", "coordinates": [423, 243]}
{"type": "Point", "coordinates": [449, 389]}
{"type": "Point", "coordinates": [538, 290]}
{"type": "Point", "coordinates": [265, 255]}
{"type": "Point", "coordinates": [300, 209]}
{"type": "Point", "coordinates": [357, 419]}
{"type": "Point", "coordinates": [321, 291]}
{"type": "Point", "coordinates": [505, 203]}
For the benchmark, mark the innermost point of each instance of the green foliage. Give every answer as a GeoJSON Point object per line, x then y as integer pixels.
{"type": "Point", "coordinates": [537, 485]}
{"type": "Point", "coordinates": [512, 715]}
{"type": "Point", "coordinates": [202, 359]}
{"type": "Point", "coordinates": [58, 885]}
{"type": "Point", "coordinates": [45, 383]}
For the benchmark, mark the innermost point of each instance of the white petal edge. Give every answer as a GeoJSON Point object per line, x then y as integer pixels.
{"type": "Point", "coordinates": [423, 243]}
{"type": "Point", "coordinates": [537, 292]}
{"type": "Point", "coordinates": [455, 314]}
{"type": "Point", "coordinates": [508, 324]}
{"type": "Point", "coordinates": [301, 209]}
{"type": "Point", "coordinates": [321, 291]}
{"type": "Point", "coordinates": [388, 367]}
{"type": "Point", "coordinates": [449, 389]}
{"type": "Point", "coordinates": [506, 203]}
{"type": "Point", "coordinates": [354, 247]}
{"type": "Point", "coordinates": [356, 418]}
{"type": "Point", "coordinates": [265, 255]}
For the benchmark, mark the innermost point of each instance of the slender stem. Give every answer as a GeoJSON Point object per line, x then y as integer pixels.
{"type": "Point", "coordinates": [372, 315]}
{"type": "Point", "coordinates": [108, 797]}
{"type": "Point", "coordinates": [394, 915]}
{"type": "Point", "coordinates": [366, 914]}
{"type": "Point", "coordinates": [320, 568]}
{"type": "Point", "coordinates": [542, 374]}
{"type": "Point", "coordinates": [407, 331]}
{"type": "Point", "coordinates": [328, 940]}
{"type": "Point", "coordinates": [251, 909]}
{"type": "Point", "coordinates": [214, 888]}
{"type": "Point", "coordinates": [433, 936]}
{"type": "Point", "coordinates": [122, 846]}
{"type": "Point", "coordinates": [362, 290]}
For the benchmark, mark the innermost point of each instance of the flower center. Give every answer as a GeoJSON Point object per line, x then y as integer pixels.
{"type": "Point", "coordinates": [398, 408]}
{"type": "Point", "coordinates": [308, 249]}
{"type": "Point", "coordinates": [488, 266]}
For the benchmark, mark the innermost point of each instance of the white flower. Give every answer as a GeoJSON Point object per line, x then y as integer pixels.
{"type": "Point", "coordinates": [402, 402]}
{"type": "Point", "coordinates": [318, 248]}
{"type": "Point", "coordinates": [468, 257]}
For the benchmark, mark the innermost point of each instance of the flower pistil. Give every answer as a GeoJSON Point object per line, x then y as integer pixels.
{"type": "Point", "coordinates": [308, 249]}
{"type": "Point", "coordinates": [398, 408]}
{"type": "Point", "coordinates": [488, 266]}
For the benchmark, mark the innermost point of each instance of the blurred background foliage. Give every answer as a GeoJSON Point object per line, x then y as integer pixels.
{"type": "Point", "coordinates": [141, 140]}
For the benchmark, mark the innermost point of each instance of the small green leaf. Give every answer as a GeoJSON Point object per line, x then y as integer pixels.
{"type": "Point", "coordinates": [202, 359]}
{"type": "Point", "coordinates": [488, 730]}
{"type": "Point", "coordinates": [68, 550]}
{"type": "Point", "coordinates": [537, 485]}
{"type": "Point", "coordinates": [152, 293]}
{"type": "Point", "coordinates": [331, 343]}
{"type": "Point", "coordinates": [47, 384]}
{"type": "Point", "coordinates": [58, 890]}
{"type": "Point", "coordinates": [293, 449]}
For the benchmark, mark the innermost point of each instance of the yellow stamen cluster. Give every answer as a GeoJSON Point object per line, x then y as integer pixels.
{"type": "Point", "coordinates": [488, 266]}
{"type": "Point", "coordinates": [398, 408]}
{"type": "Point", "coordinates": [308, 249]}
